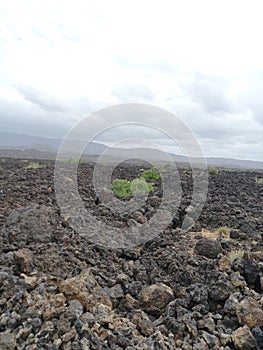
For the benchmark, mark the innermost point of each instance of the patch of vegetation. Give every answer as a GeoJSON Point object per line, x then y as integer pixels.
{"type": "Point", "coordinates": [125, 188]}
{"type": "Point", "coordinates": [259, 180]}
{"type": "Point", "coordinates": [235, 254]}
{"type": "Point", "coordinates": [220, 232]}
{"type": "Point", "coordinates": [166, 167]}
{"type": "Point", "coordinates": [151, 174]}
{"type": "Point", "coordinates": [141, 186]}
{"type": "Point", "coordinates": [24, 161]}
{"type": "Point", "coordinates": [34, 165]}
{"type": "Point", "coordinates": [224, 231]}
{"type": "Point", "coordinates": [1, 169]}
{"type": "Point", "coordinates": [213, 171]}
{"type": "Point", "coordinates": [121, 188]}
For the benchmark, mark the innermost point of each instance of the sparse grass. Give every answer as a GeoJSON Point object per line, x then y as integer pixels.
{"type": "Point", "coordinates": [125, 188]}
{"type": "Point", "coordinates": [166, 167]}
{"type": "Point", "coordinates": [72, 161]}
{"type": "Point", "coordinates": [151, 174]}
{"type": "Point", "coordinates": [259, 180]}
{"type": "Point", "coordinates": [24, 161]}
{"type": "Point", "coordinates": [34, 165]}
{"type": "Point", "coordinates": [1, 169]}
{"type": "Point", "coordinates": [235, 254]}
{"type": "Point", "coordinates": [220, 232]}
{"type": "Point", "coordinates": [213, 171]}
{"type": "Point", "coordinates": [224, 231]}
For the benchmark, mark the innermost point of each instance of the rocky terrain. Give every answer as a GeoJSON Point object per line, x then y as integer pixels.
{"type": "Point", "coordinates": [198, 290]}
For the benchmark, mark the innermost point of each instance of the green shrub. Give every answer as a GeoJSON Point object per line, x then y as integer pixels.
{"type": "Point", "coordinates": [151, 174]}
{"type": "Point", "coordinates": [141, 186]}
{"type": "Point", "coordinates": [213, 171]}
{"type": "Point", "coordinates": [125, 188]}
{"type": "Point", "coordinates": [259, 180]}
{"type": "Point", "coordinates": [121, 188]}
{"type": "Point", "coordinates": [33, 165]}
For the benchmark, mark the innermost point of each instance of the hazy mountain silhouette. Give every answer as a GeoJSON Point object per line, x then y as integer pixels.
{"type": "Point", "coordinates": [20, 145]}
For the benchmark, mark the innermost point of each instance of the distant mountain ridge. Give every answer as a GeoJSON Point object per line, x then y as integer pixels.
{"type": "Point", "coordinates": [48, 147]}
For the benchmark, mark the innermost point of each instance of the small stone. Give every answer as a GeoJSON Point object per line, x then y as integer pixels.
{"type": "Point", "coordinates": [58, 342]}
{"type": "Point", "coordinates": [251, 272]}
{"type": "Point", "coordinates": [200, 345]}
{"type": "Point", "coordinates": [63, 325]}
{"type": "Point", "coordinates": [232, 303]}
{"type": "Point", "coordinates": [78, 325]}
{"type": "Point", "coordinates": [30, 281]}
{"type": "Point", "coordinates": [221, 290]}
{"type": "Point", "coordinates": [68, 336]}
{"type": "Point", "coordinates": [237, 280]}
{"type": "Point", "coordinates": [74, 310]}
{"type": "Point", "coordinates": [234, 234]}
{"type": "Point", "coordinates": [224, 264]}
{"type": "Point", "coordinates": [7, 341]}
{"type": "Point", "coordinates": [208, 247]}
{"type": "Point", "coordinates": [208, 323]}
{"type": "Point", "coordinates": [23, 259]}
{"type": "Point", "coordinates": [224, 338]}
{"type": "Point", "coordinates": [116, 292]}
{"type": "Point", "coordinates": [23, 333]}
{"type": "Point", "coordinates": [250, 313]}
{"type": "Point", "coordinates": [129, 302]}
{"type": "Point", "coordinates": [258, 334]}
{"type": "Point", "coordinates": [100, 297]}
{"type": "Point", "coordinates": [138, 216]}
{"type": "Point", "coordinates": [143, 323]}
{"type": "Point", "coordinates": [78, 287]}
{"type": "Point", "coordinates": [243, 339]}
{"type": "Point", "coordinates": [211, 340]}
{"type": "Point", "coordinates": [155, 298]}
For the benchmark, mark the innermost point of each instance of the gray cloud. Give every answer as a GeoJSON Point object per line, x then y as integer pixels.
{"type": "Point", "coordinates": [129, 92]}
{"type": "Point", "coordinates": [209, 92]}
{"type": "Point", "coordinates": [47, 102]}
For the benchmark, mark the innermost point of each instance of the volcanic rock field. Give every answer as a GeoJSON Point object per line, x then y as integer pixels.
{"type": "Point", "coordinates": [201, 289]}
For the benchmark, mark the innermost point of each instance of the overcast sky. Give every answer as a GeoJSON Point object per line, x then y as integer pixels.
{"type": "Point", "coordinates": [201, 60]}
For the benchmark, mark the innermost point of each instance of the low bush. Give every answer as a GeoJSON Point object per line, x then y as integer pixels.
{"type": "Point", "coordinates": [259, 180]}
{"type": "Point", "coordinates": [121, 188]}
{"type": "Point", "coordinates": [125, 188]}
{"type": "Point", "coordinates": [139, 186]}
{"type": "Point", "coordinates": [34, 165]}
{"type": "Point", "coordinates": [213, 171]}
{"type": "Point", "coordinates": [151, 174]}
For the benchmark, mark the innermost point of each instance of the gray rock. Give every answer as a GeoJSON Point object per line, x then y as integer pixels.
{"type": "Point", "coordinates": [211, 340]}
{"type": "Point", "coordinates": [258, 334]}
{"type": "Point", "coordinates": [29, 224]}
{"type": "Point", "coordinates": [156, 297]}
{"type": "Point", "coordinates": [7, 341]}
{"type": "Point", "coordinates": [250, 313]}
{"type": "Point", "coordinates": [208, 247]}
{"type": "Point", "coordinates": [243, 339]}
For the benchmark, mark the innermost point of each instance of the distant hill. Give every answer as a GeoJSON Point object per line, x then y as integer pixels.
{"type": "Point", "coordinates": [20, 145]}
